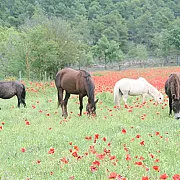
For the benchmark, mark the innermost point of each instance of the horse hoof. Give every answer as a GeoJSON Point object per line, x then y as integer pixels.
{"type": "Point", "coordinates": [65, 116]}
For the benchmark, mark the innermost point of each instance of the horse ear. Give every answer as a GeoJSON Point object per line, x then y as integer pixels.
{"type": "Point", "coordinates": [96, 101]}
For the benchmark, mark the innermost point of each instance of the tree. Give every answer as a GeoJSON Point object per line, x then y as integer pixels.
{"type": "Point", "coordinates": [107, 50]}
{"type": "Point", "coordinates": [138, 53]}
{"type": "Point", "coordinates": [174, 36]}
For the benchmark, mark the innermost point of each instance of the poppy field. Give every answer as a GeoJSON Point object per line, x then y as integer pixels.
{"type": "Point", "coordinates": [138, 142]}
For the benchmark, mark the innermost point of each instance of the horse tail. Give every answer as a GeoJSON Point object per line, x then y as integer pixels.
{"type": "Point", "coordinates": [23, 95]}
{"type": "Point", "coordinates": [58, 84]}
{"type": "Point", "coordinates": [117, 94]}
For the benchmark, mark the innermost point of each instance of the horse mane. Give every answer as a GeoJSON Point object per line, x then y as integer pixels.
{"type": "Point", "coordinates": [152, 90]}
{"type": "Point", "coordinates": [90, 86]}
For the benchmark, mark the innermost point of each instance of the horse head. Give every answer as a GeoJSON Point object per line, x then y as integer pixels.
{"type": "Point", "coordinates": [176, 106]}
{"type": "Point", "coordinates": [159, 98]}
{"type": "Point", "coordinates": [91, 108]}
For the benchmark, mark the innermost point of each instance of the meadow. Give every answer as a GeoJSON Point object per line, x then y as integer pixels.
{"type": "Point", "coordinates": [139, 142]}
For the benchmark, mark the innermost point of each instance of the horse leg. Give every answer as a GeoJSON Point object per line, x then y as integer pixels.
{"type": "Point", "coordinates": [170, 106]}
{"type": "Point", "coordinates": [23, 101]}
{"type": "Point", "coordinates": [81, 104]}
{"type": "Point", "coordinates": [117, 97]}
{"type": "Point", "coordinates": [143, 98]}
{"type": "Point", "coordinates": [65, 104]}
{"type": "Point", "coordinates": [125, 97]}
{"type": "Point", "coordinates": [60, 99]}
{"type": "Point", "coordinates": [19, 102]}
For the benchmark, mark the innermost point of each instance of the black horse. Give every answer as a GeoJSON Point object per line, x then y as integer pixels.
{"type": "Point", "coordinates": [75, 82]}
{"type": "Point", "coordinates": [172, 89]}
{"type": "Point", "coordinates": [8, 89]}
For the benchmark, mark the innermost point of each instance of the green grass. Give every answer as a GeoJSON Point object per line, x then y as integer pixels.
{"type": "Point", "coordinates": [48, 129]}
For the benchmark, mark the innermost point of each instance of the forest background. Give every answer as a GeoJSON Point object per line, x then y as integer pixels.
{"type": "Point", "coordinates": [38, 36]}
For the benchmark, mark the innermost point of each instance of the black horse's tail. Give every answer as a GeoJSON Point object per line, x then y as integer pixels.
{"type": "Point", "coordinates": [23, 95]}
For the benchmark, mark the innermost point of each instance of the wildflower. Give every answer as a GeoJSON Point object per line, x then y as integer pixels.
{"type": "Point", "coordinates": [51, 151]}
{"type": "Point", "coordinates": [112, 175]}
{"type": "Point", "coordinates": [128, 157]}
{"type": "Point", "coordinates": [96, 163]}
{"type": "Point", "coordinates": [123, 131]}
{"type": "Point", "coordinates": [142, 143]}
{"type": "Point", "coordinates": [23, 149]}
{"type": "Point", "coordinates": [164, 176]}
{"type": "Point", "coordinates": [156, 168]}
{"type": "Point", "coordinates": [145, 178]}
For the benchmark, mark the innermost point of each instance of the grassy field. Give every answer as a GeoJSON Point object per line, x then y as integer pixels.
{"type": "Point", "coordinates": [139, 142]}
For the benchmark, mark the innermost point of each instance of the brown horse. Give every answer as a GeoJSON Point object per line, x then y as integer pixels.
{"type": "Point", "coordinates": [172, 89]}
{"type": "Point", "coordinates": [75, 82]}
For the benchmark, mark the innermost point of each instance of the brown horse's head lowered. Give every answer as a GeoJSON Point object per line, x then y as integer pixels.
{"type": "Point", "coordinates": [172, 89]}
{"type": "Point", "coordinates": [75, 82]}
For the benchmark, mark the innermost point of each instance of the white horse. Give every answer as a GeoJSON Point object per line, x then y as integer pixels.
{"type": "Point", "coordinates": [135, 87]}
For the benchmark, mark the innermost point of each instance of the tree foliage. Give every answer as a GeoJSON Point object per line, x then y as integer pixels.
{"type": "Point", "coordinates": [45, 35]}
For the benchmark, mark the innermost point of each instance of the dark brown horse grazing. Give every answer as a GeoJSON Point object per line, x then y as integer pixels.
{"type": "Point", "coordinates": [172, 89]}
{"type": "Point", "coordinates": [8, 89]}
{"type": "Point", "coordinates": [75, 82]}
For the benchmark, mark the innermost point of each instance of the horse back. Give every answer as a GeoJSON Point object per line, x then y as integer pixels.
{"type": "Point", "coordinates": [70, 80]}
{"type": "Point", "coordinates": [132, 85]}
{"type": "Point", "coordinates": [10, 88]}
{"type": "Point", "coordinates": [172, 85]}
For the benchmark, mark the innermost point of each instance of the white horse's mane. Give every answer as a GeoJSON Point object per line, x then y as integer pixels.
{"type": "Point", "coordinates": [152, 90]}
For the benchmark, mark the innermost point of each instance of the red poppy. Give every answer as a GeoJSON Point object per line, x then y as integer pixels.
{"type": "Point", "coordinates": [145, 178]}
{"type": "Point", "coordinates": [112, 175]}
{"type": "Point", "coordinates": [157, 133]}
{"type": "Point", "coordinates": [96, 163]}
{"type": "Point", "coordinates": [128, 157]}
{"type": "Point", "coordinates": [156, 168]}
{"type": "Point", "coordinates": [100, 156]}
{"type": "Point", "coordinates": [38, 161]}
{"type": "Point", "coordinates": [27, 123]}
{"type": "Point", "coordinates": [176, 177]}
{"type": "Point", "coordinates": [64, 160]}
{"type": "Point", "coordinates": [76, 148]}
{"type": "Point", "coordinates": [75, 154]}
{"type": "Point", "coordinates": [163, 176]}
{"type": "Point", "coordinates": [93, 168]}
{"type": "Point", "coordinates": [70, 143]}
{"type": "Point", "coordinates": [71, 178]}
{"type": "Point", "coordinates": [142, 143]}
{"type": "Point", "coordinates": [92, 150]}
{"type": "Point", "coordinates": [88, 137]}
{"type": "Point", "coordinates": [151, 155]}
{"type": "Point", "coordinates": [104, 139]}
{"type": "Point", "coordinates": [112, 157]}
{"type": "Point", "coordinates": [138, 163]}
{"type": "Point", "coordinates": [138, 136]}
{"type": "Point", "coordinates": [141, 158]}
{"type": "Point", "coordinates": [96, 136]}
{"type": "Point", "coordinates": [156, 160]}
{"type": "Point", "coordinates": [51, 151]}
{"type": "Point", "coordinates": [123, 131]}
{"type": "Point", "coordinates": [23, 149]}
